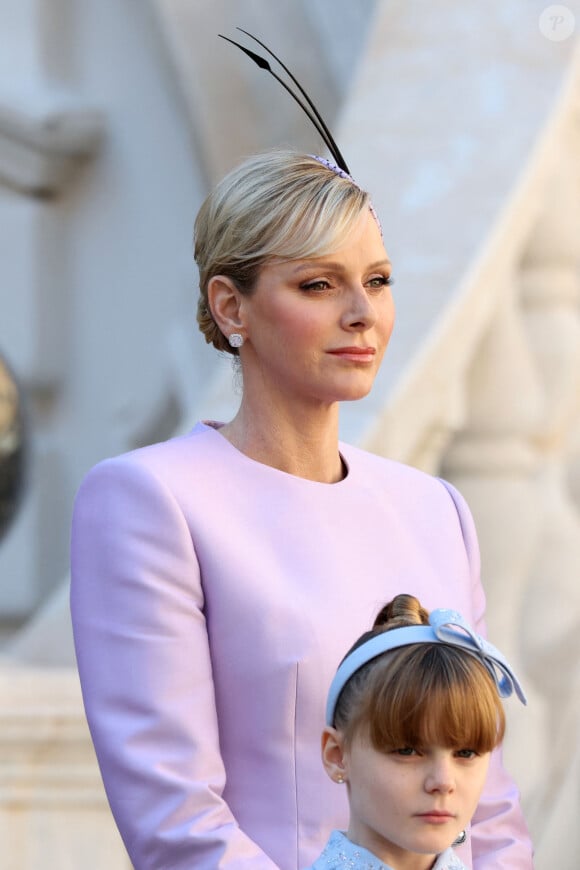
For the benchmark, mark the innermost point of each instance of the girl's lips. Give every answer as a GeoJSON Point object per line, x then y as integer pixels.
{"type": "Point", "coordinates": [436, 817]}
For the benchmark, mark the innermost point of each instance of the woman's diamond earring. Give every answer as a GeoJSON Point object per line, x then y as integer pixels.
{"type": "Point", "coordinates": [236, 339]}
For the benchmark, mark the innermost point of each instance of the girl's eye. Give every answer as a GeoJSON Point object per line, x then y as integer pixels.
{"type": "Point", "coordinates": [466, 753]}
{"type": "Point", "coordinates": [405, 751]}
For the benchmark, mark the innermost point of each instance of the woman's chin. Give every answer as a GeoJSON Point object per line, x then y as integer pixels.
{"type": "Point", "coordinates": [355, 394]}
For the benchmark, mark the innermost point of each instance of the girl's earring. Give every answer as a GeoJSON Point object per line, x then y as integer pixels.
{"type": "Point", "coordinates": [340, 778]}
{"type": "Point", "coordinates": [236, 339]}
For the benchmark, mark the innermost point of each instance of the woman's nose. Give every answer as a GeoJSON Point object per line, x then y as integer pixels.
{"type": "Point", "coordinates": [360, 312]}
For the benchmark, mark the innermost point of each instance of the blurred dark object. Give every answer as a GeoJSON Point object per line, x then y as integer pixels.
{"type": "Point", "coordinates": [12, 447]}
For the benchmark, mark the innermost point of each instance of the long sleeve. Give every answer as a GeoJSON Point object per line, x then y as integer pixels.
{"type": "Point", "coordinates": [144, 661]}
{"type": "Point", "coordinates": [499, 835]}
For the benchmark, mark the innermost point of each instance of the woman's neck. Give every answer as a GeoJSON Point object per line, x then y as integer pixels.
{"type": "Point", "coordinates": [304, 444]}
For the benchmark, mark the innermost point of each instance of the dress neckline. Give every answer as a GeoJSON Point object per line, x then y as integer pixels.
{"type": "Point", "coordinates": [214, 426]}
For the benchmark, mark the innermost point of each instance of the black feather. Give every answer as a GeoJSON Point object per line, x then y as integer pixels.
{"type": "Point", "coordinates": [312, 113]}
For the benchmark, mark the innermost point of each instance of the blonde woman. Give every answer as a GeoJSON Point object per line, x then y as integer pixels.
{"type": "Point", "coordinates": [216, 576]}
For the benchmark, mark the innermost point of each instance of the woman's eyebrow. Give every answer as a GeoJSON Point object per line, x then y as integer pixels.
{"type": "Point", "coordinates": [385, 262]}
{"type": "Point", "coordinates": [337, 267]}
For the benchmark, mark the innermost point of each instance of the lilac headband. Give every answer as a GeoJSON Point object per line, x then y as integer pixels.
{"type": "Point", "coordinates": [445, 626]}
{"type": "Point", "coordinates": [338, 171]}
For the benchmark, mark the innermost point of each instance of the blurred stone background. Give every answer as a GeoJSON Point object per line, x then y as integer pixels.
{"type": "Point", "coordinates": [116, 116]}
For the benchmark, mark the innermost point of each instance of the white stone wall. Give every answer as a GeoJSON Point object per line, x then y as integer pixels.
{"type": "Point", "coordinates": [96, 274]}
{"type": "Point", "coordinates": [462, 119]}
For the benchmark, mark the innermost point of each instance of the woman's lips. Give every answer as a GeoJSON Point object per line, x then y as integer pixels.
{"type": "Point", "coordinates": [356, 354]}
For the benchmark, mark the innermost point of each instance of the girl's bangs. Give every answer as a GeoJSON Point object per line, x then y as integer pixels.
{"type": "Point", "coordinates": [446, 698]}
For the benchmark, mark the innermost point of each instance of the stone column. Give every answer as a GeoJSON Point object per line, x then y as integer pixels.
{"type": "Point", "coordinates": [551, 295]}
{"type": "Point", "coordinates": [493, 464]}
{"type": "Point", "coordinates": [53, 809]}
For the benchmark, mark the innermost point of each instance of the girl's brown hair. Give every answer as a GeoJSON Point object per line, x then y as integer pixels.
{"type": "Point", "coordinates": [420, 695]}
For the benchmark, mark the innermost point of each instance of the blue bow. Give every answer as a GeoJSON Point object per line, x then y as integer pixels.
{"type": "Point", "coordinates": [450, 627]}
{"type": "Point", "coordinates": [445, 626]}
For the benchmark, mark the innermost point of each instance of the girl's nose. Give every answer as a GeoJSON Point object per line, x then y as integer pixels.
{"type": "Point", "coordinates": [440, 777]}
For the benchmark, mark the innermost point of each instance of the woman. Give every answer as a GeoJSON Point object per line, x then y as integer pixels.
{"type": "Point", "coordinates": [217, 576]}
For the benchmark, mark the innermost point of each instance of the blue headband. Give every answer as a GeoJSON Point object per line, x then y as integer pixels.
{"type": "Point", "coordinates": [445, 626]}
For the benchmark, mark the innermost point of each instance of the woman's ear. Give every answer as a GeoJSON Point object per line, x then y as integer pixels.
{"type": "Point", "coordinates": [333, 754]}
{"type": "Point", "coordinates": [224, 301]}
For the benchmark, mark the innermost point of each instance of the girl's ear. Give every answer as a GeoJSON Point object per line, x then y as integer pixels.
{"type": "Point", "coordinates": [333, 754]}
{"type": "Point", "coordinates": [224, 301]}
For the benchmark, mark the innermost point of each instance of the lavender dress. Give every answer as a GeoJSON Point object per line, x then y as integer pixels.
{"type": "Point", "coordinates": [212, 599]}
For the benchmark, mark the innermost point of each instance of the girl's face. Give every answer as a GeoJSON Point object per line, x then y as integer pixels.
{"type": "Point", "coordinates": [411, 800]}
{"type": "Point", "coordinates": [316, 330]}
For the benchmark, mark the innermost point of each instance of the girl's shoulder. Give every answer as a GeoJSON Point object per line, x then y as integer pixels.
{"type": "Point", "coordinates": [341, 854]}
{"type": "Point", "coordinates": [448, 860]}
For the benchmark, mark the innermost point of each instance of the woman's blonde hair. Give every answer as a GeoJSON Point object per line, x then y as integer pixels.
{"type": "Point", "coordinates": [420, 695]}
{"type": "Point", "coordinates": [280, 205]}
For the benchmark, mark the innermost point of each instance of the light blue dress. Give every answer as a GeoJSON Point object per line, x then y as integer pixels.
{"type": "Point", "coordinates": [340, 854]}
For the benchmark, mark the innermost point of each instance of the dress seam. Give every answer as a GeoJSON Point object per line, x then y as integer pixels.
{"type": "Point", "coordinates": [296, 765]}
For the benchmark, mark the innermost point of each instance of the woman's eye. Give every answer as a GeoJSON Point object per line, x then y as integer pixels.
{"type": "Point", "coordinates": [405, 751]}
{"type": "Point", "coordinates": [466, 753]}
{"type": "Point", "coordinates": [380, 281]}
{"type": "Point", "coordinates": [315, 285]}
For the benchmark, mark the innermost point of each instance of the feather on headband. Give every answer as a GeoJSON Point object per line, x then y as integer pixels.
{"type": "Point", "coordinates": [305, 103]}
{"type": "Point", "coordinates": [340, 166]}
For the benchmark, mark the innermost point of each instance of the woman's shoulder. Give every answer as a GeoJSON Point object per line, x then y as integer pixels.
{"type": "Point", "coordinates": [421, 493]}
{"type": "Point", "coordinates": [382, 468]}
{"type": "Point", "coordinates": [165, 460]}
{"type": "Point", "coordinates": [374, 463]}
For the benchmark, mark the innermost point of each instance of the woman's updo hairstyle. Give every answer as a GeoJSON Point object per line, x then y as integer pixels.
{"type": "Point", "coordinates": [419, 695]}
{"type": "Point", "coordinates": [276, 206]}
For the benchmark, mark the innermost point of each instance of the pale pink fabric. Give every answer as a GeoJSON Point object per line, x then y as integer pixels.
{"type": "Point", "coordinates": [212, 599]}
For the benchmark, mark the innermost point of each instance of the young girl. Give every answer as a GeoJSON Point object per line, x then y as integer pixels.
{"type": "Point", "coordinates": [413, 714]}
